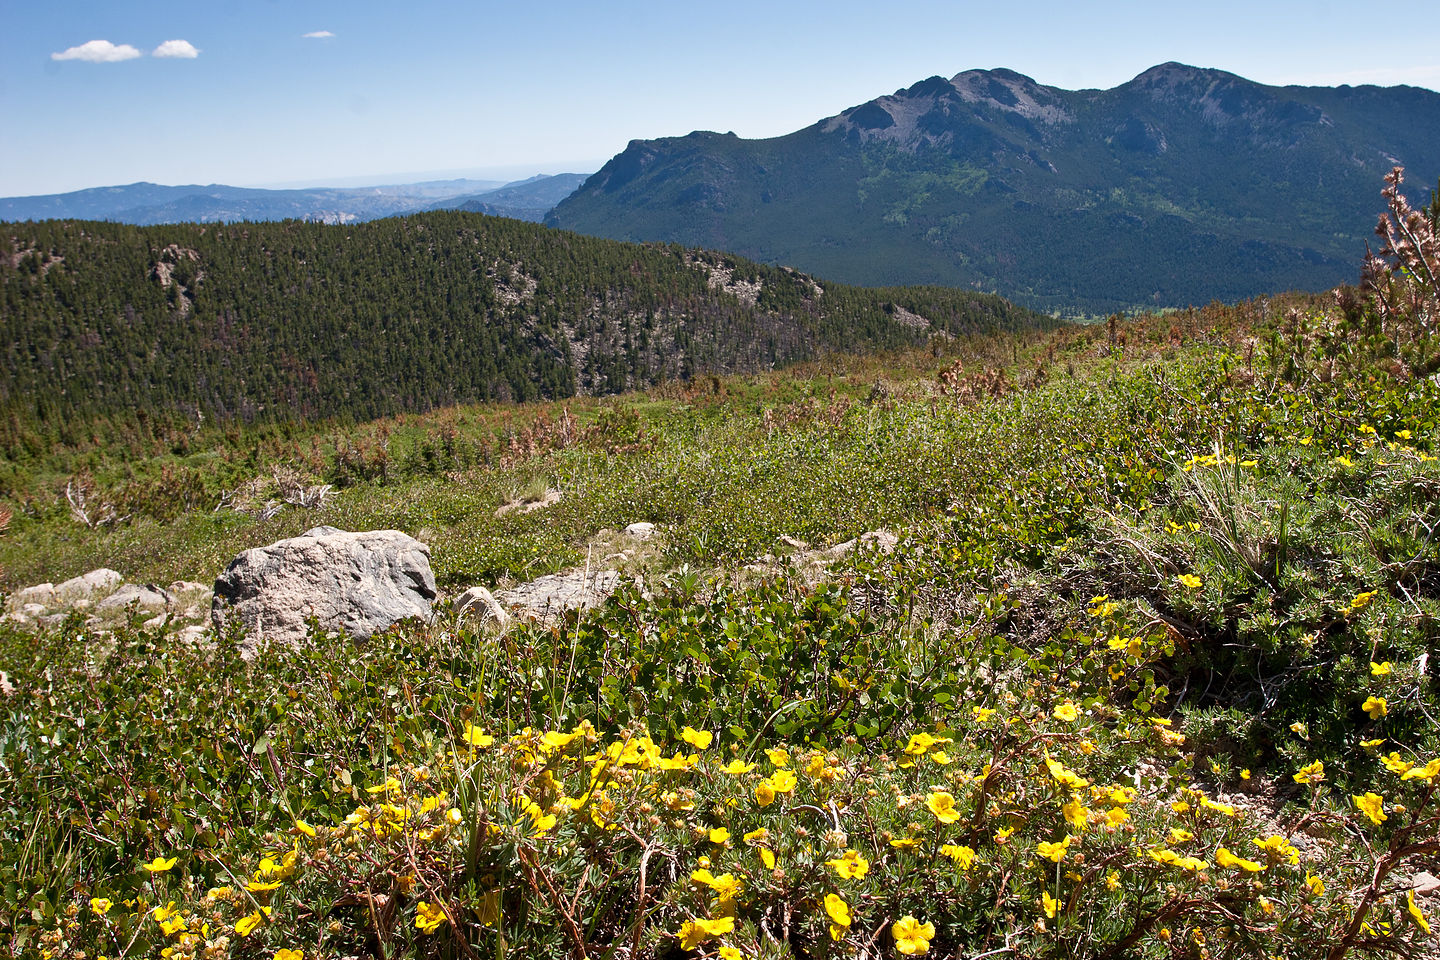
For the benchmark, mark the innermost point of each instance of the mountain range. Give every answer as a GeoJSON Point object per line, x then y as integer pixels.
{"type": "Point", "coordinates": [1181, 186]}
{"type": "Point", "coordinates": [151, 203]}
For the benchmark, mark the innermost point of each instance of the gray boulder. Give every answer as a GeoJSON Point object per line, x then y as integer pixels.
{"type": "Point", "coordinates": [479, 603]}
{"type": "Point", "coordinates": [357, 584]}
{"type": "Point", "coordinates": [146, 598]}
{"type": "Point", "coordinates": [42, 594]}
{"type": "Point", "coordinates": [96, 583]}
{"type": "Point", "coordinates": [550, 596]}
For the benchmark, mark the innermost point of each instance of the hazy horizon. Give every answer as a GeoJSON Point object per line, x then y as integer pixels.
{"type": "Point", "coordinates": [105, 92]}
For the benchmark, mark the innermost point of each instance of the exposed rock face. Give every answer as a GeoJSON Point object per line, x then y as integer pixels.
{"type": "Point", "coordinates": [146, 597]}
{"type": "Point", "coordinates": [89, 586]}
{"type": "Point", "coordinates": [354, 583]}
{"type": "Point", "coordinates": [551, 596]}
{"type": "Point", "coordinates": [642, 530]}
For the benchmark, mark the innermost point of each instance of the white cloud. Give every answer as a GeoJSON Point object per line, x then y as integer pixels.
{"type": "Point", "coordinates": [176, 49]}
{"type": "Point", "coordinates": [98, 51]}
{"type": "Point", "coordinates": [317, 35]}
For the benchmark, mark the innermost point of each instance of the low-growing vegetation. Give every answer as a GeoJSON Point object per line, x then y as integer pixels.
{"type": "Point", "coordinates": [1148, 672]}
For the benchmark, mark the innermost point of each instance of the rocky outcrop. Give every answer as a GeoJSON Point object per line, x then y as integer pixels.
{"type": "Point", "coordinates": [108, 601]}
{"type": "Point", "coordinates": [551, 596]}
{"type": "Point", "coordinates": [353, 583]}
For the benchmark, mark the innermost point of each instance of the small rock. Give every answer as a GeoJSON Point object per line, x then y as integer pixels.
{"type": "Point", "coordinates": [882, 540]}
{"type": "Point", "coordinates": [86, 587]}
{"type": "Point", "coordinates": [147, 597]}
{"type": "Point", "coordinates": [551, 498]}
{"type": "Point", "coordinates": [193, 634]}
{"type": "Point", "coordinates": [155, 623]}
{"type": "Point", "coordinates": [554, 594]}
{"type": "Point", "coordinates": [482, 604]}
{"type": "Point", "coordinates": [643, 530]}
{"type": "Point", "coordinates": [33, 610]}
{"type": "Point", "coordinates": [1423, 883]}
{"type": "Point", "coordinates": [42, 594]}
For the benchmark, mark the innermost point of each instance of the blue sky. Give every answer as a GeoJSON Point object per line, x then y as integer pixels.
{"type": "Point", "coordinates": [406, 88]}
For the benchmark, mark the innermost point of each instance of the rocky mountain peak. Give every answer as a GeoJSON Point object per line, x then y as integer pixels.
{"type": "Point", "coordinates": [1012, 92]}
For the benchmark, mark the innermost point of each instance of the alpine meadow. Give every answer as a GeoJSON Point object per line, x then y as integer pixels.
{"type": "Point", "coordinates": [647, 583]}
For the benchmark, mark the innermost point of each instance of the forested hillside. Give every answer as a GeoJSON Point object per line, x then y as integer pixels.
{"type": "Point", "coordinates": [281, 321]}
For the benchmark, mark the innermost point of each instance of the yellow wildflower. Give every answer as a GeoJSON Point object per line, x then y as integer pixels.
{"type": "Point", "coordinates": [982, 713]}
{"type": "Point", "coordinates": [783, 781]}
{"type": "Point", "coordinates": [1428, 773]}
{"type": "Point", "coordinates": [1075, 813]}
{"type": "Point", "coordinates": [719, 835]}
{"type": "Point", "coordinates": [1050, 904]}
{"type": "Point", "coordinates": [1372, 805]}
{"type": "Point", "coordinates": [159, 864]}
{"type": "Point", "coordinates": [100, 905]}
{"type": "Point", "coordinates": [695, 932]}
{"type": "Point", "coordinates": [699, 739]}
{"type": "Point", "coordinates": [1063, 775]}
{"type": "Point", "coordinates": [428, 916]}
{"type": "Point", "coordinates": [779, 758]}
{"type": "Point", "coordinates": [285, 953]}
{"type": "Point", "coordinates": [942, 804]}
{"type": "Point", "coordinates": [1316, 885]}
{"type": "Point", "coordinates": [1166, 855]}
{"type": "Point", "coordinates": [1415, 913]}
{"type": "Point", "coordinates": [1228, 860]}
{"type": "Point", "coordinates": [1003, 834]}
{"type": "Point", "coordinates": [1189, 580]}
{"type": "Point", "coordinates": [962, 855]}
{"type": "Point", "coordinates": [737, 766]}
{"type": "Point", "coordinates": [921, 742]}
{"type": "Point", "coordinates": [911, 936]}
{"type": "Point", "coordinates": [839, 913]}
{"type": "Point", "coordinates": [247, 924]}
{"type": "Point", "coordinates": [1277, 847]}
{"type": "Point", "coordinates": [1067, 711]}
{"type": "Point", "coordinates": [1311, 773]}
{"type": "Point", "coordinates": [1054, 852]}
{"type": "Point", "coordinates": [764, 793]}
{"type": "Point", "coordinates": [1375, 706]}
{"type": "Point", "coordinates": [1397, 764]}
{"type": "Point", "coordinates": [850, 865]}
{"type": "Point", "coordinates": [1381, 669]}
{"type": "Point", "coordinates": [1362, 600]}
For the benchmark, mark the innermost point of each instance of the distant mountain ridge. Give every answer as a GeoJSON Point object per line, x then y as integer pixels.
{"type": "Point", "coordinates": [528, 199]}
{"type": "Point", "coordinates": [1181, 186]}
{"type": "Point", "coordinates": [146, 204]}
